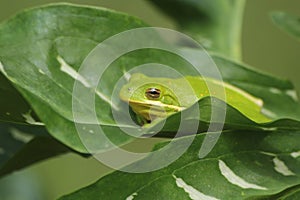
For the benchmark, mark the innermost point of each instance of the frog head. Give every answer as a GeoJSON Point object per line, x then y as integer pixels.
{"type": "Point", "coordinates": [149, 97]}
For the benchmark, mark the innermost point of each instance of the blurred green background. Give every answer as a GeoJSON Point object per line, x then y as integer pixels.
{"type": "Point", "coordinates": [264, 47]}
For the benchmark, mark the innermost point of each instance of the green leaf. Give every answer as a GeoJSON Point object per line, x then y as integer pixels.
{"type": "Point", "coordinates": [13, 107]}
{"type": "Point", "coordinates": [215, 24]}
{"type": "Point", "coordinates": [288, 194]}
{"type": "Point", "coordinates": [62, 35]}
{"type": "Point", "coordinates": [242, 165]}
{"type": "Point", "coordinates": [287, 22]}
{"type": "Point", "coordinates": [29, 55]}
{"type": "Point", "coordinates": [22, 145]}
{"type": "Point", "coordinates": [279, 96]}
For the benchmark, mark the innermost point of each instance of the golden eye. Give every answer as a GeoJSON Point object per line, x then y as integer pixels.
{"type": "Point", "coordinates": [152, 93]}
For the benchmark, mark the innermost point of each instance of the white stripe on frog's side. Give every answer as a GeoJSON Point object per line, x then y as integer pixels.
{"type": "Point", "coordinates": [256, 100]}
{"type": "Point", "coordinates": [160, 104]}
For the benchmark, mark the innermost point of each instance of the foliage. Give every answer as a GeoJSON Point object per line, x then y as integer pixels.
{"type": "Point", "coordinates": [250, 159]}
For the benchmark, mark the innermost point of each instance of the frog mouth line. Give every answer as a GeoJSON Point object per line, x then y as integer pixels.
{"type": "Point", "coordinates": [156, 105]}
{"type": "Point", "coordinates": [153, 109]}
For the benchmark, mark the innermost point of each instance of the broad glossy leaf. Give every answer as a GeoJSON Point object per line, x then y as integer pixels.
{"type": "Point", "coordinates": [215, 24]}
{"type": "Point", "coordinates": [29, 57]}
{"type": "Point", "coordinates": [242, 165]}
{"type": "Point", "coordinates": [60, 36]}
{"type": "Point", "coordinates": [22, 145]}
{"type": "Point", "coordinates": [287, 22]}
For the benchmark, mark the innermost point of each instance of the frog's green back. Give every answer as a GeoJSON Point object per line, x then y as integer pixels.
{"type": "Point", "coordinates": [239, 99]}
{"type": "Point", "coordinates": [185, 91]}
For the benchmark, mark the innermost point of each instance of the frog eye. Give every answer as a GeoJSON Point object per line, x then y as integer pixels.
{"type": "Point", "coordinates": [152, 93]}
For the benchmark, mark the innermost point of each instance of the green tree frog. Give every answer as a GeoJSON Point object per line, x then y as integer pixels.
{"type": "Point", "coordinates": [153, 97]}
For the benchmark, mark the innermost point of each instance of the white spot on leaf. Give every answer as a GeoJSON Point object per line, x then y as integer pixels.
{"type": "Point", "coordinates": [74, 74]}
{"type": "Point", "coordinates": [295, 154]}
{"type": "Point", "coordinates": [236, 180]}
{"type": "Point", "coordinates": [293, 94]}
{"type": "Point", "coordinates": [29, 119]}
{"type": "Point", "coordinates": [290, 93]}
{"type": "Point", "coordinates": [275, 91]}
{"type": "Point", "coordinates": [193, 193]}
{"type": "Point", "coordinates": [41, 71]}
{"type": "Point", "coordinates": [20, 136]}
{"type": "Point", "coordinates": [91, 131]}
{"type": "Point", "coordinates": [268, 153]}
{"type": "Point", "coordinates": [131, 197]}
{"type": "Point", "coordinates": [71, 72]}
{"type": "Point", "coordinates": [106, 99]}
{"type": "Point", "coordinates": [281, 168]}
